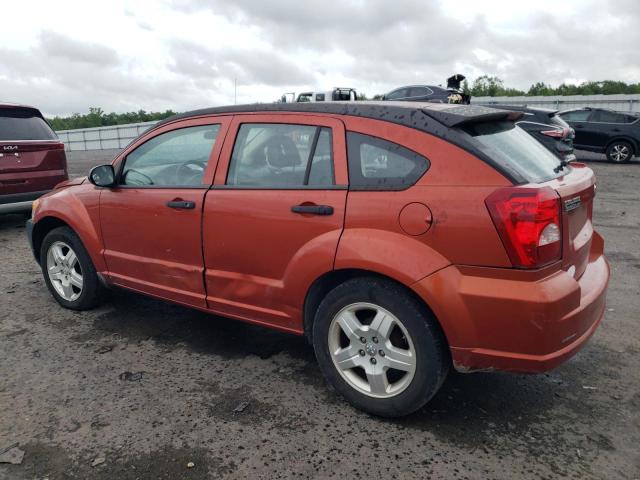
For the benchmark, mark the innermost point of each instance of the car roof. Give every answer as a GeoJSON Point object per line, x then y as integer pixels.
{"type": "Point", "coordinates": [413, 114]}
{"type": "Point", "coordinates": [16, 105]}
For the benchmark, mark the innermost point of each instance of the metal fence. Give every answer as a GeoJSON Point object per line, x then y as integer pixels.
{"type": "Point", "coordinates": [622, 102]}
{"type": "Point", "coordinates": [102, 138]}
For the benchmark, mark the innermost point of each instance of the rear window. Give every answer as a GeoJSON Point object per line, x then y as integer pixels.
{"type": "Point", "coordinates": [23, 124]}
{"type": "Point", "coordinates": [516, 150]}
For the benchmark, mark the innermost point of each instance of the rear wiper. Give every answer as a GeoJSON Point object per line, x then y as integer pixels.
{"type": "Point", "coordinates": [561, 165]}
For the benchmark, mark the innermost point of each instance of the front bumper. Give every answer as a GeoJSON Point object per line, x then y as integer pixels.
{"type": "Point", "coordinates": [499, 319]}
{"type": "Point", "coordinates": [29, 228]}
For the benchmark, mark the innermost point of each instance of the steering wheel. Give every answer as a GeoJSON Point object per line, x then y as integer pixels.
{"type": "Point", "coordinates": [190, 171]}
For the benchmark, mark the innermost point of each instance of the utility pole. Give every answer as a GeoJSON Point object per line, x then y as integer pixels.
{"type": "Point", "coordinates": [235, 91]}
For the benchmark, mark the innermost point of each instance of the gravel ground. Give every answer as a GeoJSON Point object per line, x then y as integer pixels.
{"type": "Point", "coordinates": [141, 388]}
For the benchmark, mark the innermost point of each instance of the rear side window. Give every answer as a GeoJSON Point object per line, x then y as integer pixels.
{"type": "Point", "coordinates": [514, 149]}
{"type": "Point", "coordinates": [377, 164]}
{"type": "Point", "coordinates": [275, 155]}
{"type": "Point", "coordinates": [24, 124]}
{"type": "Point", "coordinates": [576, 116]}
{"type": "Point", "coordinates": [607, 117]}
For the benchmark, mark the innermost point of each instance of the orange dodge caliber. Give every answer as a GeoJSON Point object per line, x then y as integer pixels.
{"type": "Point", "coordinates": [402, 239]}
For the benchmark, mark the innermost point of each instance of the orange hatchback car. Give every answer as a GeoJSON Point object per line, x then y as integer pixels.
{"type": "Point", "coordinates": [402, 239]}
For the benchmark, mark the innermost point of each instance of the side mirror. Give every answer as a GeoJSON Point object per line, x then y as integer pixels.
{"type": "Point", "coordinates": [102, 176]}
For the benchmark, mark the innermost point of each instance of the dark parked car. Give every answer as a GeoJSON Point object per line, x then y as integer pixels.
{"type": "Point", "coordinates": [617, 134]}
{"type": "Point", "coordinates": [548, 128]}
{"type": "Point", "coordinates": [431, 93]}
{"type": "Point", "coordinates": [402, 239]}
{"type": "Point", "coordinates": [32, 159]}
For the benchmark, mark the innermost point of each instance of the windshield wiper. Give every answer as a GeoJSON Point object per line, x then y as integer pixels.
{"type": "Point", "coordinates": [563, 163]}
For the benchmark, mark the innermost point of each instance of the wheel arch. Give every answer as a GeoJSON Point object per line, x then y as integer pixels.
{"type": "Point", "coordinates": [624, 138]}
{"type": "Point", "coordinates": [328, 281]}
{"type": "Point", "coordinates": [42, 228]}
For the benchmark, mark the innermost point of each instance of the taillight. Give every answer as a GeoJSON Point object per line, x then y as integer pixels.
{"type": "Point", "coordinates": [529, 223]}
{"type": "Point", "coordinates": [556, 132]}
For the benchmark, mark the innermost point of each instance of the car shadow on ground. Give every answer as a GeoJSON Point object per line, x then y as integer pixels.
{"type": "Point", "coordinates": [469, 408]}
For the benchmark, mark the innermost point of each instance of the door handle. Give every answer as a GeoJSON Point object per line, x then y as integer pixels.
{"type": "Point", "coordinates": [184, 204]}
{"type": "Point", "coordinates": [313, 209]}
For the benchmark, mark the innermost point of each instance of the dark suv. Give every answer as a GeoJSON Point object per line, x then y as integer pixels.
{"type": "Point", "coordinates": [32, 159]}
{"type": "Point", "coordinates": [617, 134]}
{"type": "Point", "coordinates": [548, 128]}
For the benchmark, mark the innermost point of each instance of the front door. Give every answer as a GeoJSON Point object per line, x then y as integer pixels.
{"type": "Point", "coordinates": [274, 216]}
{"type": "Point", "coordinates": [151, 221]}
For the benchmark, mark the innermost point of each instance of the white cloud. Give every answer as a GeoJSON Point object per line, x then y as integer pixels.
{"type": "Point", "coordinates": [67, 56]}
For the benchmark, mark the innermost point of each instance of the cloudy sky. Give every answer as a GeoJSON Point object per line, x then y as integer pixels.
{"type": "Point", "coordinates": [65, 56]}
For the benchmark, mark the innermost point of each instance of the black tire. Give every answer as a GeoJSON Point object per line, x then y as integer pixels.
{"type": "Point", "coordinates": [432, 357]}
{"type": "Point", "coordinates": [92, 289]}
{"type": "Point", "coordinates": [617, 150]}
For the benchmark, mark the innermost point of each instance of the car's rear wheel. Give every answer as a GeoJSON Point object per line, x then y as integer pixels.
{"type": "Point", "coordinates": [619, 152]}
{"type": "Point", "coordinates": [379, 347]}
{"type": "Point", "coordinates": [68, 270]}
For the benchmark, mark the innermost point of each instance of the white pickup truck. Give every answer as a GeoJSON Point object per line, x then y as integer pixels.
{"type": "Point", "coordinates": [335, 95]}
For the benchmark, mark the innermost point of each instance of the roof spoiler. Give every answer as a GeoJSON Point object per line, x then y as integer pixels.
{"type": "Point", "coordinates": [458, 115]}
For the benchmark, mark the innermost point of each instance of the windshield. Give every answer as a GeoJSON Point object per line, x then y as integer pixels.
{"type": "Point", "coordinates": [511, 146]}
{"type": "Point", "coordinates": [23, 124]}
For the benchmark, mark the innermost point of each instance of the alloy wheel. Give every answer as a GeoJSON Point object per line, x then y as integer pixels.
{"type": "Point", "coordinates": [620, 153]}
{"type": "Point", "coordinates": [64, 271]}
{"type": "Point", "coordinates": [372, 350]}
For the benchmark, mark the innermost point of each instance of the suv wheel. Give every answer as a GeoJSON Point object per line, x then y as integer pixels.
{"type": "Point", "coordinates": [379, 347]}
{"type": "Point", "coordinates": [619, 152]}
{"type": "Point", "coordinates": [68, 271]}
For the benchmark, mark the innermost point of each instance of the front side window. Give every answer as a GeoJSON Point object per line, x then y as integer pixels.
{"type": "Point", "coordinates": [396, 94]}
{"type": "Point", "coordinates": [576, 116]}
{"type": "Point", "coordinates": [275, 155]}
{"type": "Point", "coordinates": [175, 158]}
{"type": "Point", "coordinates": [378, 164]}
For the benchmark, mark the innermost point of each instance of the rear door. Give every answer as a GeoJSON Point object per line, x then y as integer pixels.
{"type": "Point", "coordinates": [151, 221]}
{"type": "Point", "coordinates": [274, 215]}
{"type": "Point", "coordinates": [578, 121]}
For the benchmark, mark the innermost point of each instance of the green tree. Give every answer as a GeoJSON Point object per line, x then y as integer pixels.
{"type": "Point", "coordinates": [98, 118]}
{"type": "Point", "coordinates": [487, 86]}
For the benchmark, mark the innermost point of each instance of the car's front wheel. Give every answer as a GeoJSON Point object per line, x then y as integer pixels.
{"type": "Point", "coordinates": [68, 270]}
{"type": "Point", "coordinates": [619, 152]}
{"type": "Point", "coordinates": [379, 347]}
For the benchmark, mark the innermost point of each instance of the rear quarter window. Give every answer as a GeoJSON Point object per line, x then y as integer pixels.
{"type": "Point", "coordinates": [24, 124]}
{"type": "Point", "coordinates": [514, 149]}
{"type": "Point", "coordinates": [377, 164]}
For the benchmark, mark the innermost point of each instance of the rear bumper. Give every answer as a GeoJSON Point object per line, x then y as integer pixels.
{"type": "Point", "coordinates": [19, 202]}
{"type": "Point", "coordinates": [497, 319]}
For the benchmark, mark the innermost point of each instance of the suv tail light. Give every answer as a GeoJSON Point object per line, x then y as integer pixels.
{"type": "Point", "coordinates": [528, 221]}
{"type": "Point", "coordinates": [556, 132]}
